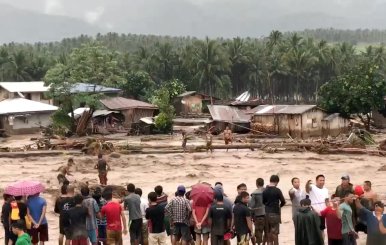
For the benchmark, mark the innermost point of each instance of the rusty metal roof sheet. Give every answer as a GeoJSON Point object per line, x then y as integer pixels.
{"type": "Point", "coordinates": [227, 114]}
{"type": "Point", "coordinates": [120, 103]}
{"type": "Point", "coordinates": [282, 109]}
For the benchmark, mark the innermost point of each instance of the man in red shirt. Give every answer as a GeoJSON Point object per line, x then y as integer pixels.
{"type": "Point", "coordinates": [334, 224]}
{"type": "Point", "coordinates": [115, 217]}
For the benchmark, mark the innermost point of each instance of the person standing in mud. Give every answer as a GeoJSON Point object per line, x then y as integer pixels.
{"type": "Point", "coordinates": [65, 170]}
{"type": "Point", "coordinates": [184, 140]}
{"type": "Point", "coordinates": [228, 136]}
{"type": "Point", "coordinates": [103, 168]}
{"type": "Point", "coordinates": [209, 141]}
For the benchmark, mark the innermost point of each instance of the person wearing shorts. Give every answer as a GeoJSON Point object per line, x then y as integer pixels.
{"type": "Point", "coordinates": [62, 205]}
{"type": "Point", "coordinates": [155, 214]}
{"type": "Point", "coordinates": [132, 202]}
{"type": "Point", "coordinates": [77, 217]}
{"type": "Point", "coordinates": [102, 168]}
{"type": "Point", "coordinates": [179, 210]}
{"type": "Point", "coordinates": [273, 200]}
{"type": "Point", "coordinates": [258, 211]}
{"type": "Point", "coordinates": [242, 221]}
{"type": "Point", "coordinates": [201, 228]}
{"type": "Point", "coordinates": [36, 209]}
{"type": "Point", "coordinates": [219, 218]}
{"type": "Point", "coordinates": [115, 217]}
{"type": "Point", "coordinates": [93, 210]}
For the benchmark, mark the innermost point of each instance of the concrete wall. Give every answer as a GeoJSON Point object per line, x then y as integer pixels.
{"type": "Point", "coordinates": [27, 124]}
{"type": "Point", "coordinates": [335, 126]}
{"type": "Point", "coordinates": [312, 123]}
{"type": "Point", "coordinates": [193, 104]}
{"type": "Point", "coordinates": [309, 124]}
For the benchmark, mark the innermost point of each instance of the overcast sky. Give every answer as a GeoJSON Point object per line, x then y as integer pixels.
{"type": "Point", "coordinates": [214, 18]}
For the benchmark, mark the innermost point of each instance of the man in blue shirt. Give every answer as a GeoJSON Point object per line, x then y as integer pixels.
{"type": "Point", "coordinates": [374, 221]}
{"type": "Point", "coordinates": [37, 207]}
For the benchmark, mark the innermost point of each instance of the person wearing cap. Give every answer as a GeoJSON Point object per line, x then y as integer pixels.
{"type": "Point", "coordinates": [376, 221]}
{"type": "Point", "coordinates": [179, 210]}
{"type": "Point", "coordinates": [307, 225]}
{"type": "Point", "coordinates": [18, 228]}
{"type": "Point", "coordinates": [219, 189]}
{"type": "Point", "coordinates": [345, 187]}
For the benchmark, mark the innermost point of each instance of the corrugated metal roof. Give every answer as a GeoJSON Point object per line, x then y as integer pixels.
{"type": "Point", "coordinates": [20, 105]}
{"type": "Point", "coordinates": [119, 103]}
{"type": "Point", "coordinates": [187, 93]}
{"type": "Point", "coordinates": [227, 114]}
{"type": "Point", "coordinates": [37, 86]}
{"type": "Point", "coordinates": [98, 113]}
{"type": "Point", "coordinates": [330, 117]}
{"type": "Point", "coordinates": [92, 88]}
{"type": "Point", "coordinates": [282, 109]}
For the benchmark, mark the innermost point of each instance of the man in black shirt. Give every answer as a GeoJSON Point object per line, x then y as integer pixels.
{"type": "Point", "coordinates": [102, 167]}
{"type": "Point", "coordinates": [240, 188]}
{"type": "Point", "coordinates": [155, 214]}
{"type": "Point", "coordinates": [273, 200]}
{"type": "Point", "coordinates": [62, 205]}
{"type": "Point", "coordinates": [219, 218]}
{"type": "Point", "coordinates": [77, 222]}
{"type": "Point", "coordinates": [242, 220]}
{"type": "Point", "coordinates": [5, 213]}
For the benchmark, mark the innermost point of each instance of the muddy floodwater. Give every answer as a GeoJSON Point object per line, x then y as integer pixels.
{"type": "Point", "coordinates": [170, 170]}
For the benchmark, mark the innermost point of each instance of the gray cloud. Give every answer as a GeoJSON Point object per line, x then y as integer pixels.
{"type": "Point", "coordinates": [214, 18]}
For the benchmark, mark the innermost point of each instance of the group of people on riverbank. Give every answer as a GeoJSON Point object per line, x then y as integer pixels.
{"type": "Point", "coordinates": [98, 216]}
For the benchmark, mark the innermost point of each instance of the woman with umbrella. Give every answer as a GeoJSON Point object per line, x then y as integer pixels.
{"type": "Point", "coordinates": [202, 197]}
{"type": "Point", "coordinates": [36, 207]}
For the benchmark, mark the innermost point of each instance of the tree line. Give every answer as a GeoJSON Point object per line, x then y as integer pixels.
{"type": "Point", "coordinates": [281, 68]}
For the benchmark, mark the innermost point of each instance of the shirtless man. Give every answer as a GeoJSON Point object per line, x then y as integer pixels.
{"type": "Point", "coordinates": [103, 168]}
{"type": "Point", "coordinates": [209, 140]}
{"type": "Point", "coordinates": [369, 194]}
{"type": "Point", "coordinates": [228, 136]}
{"type": "Point", "coordinates": [65, 170]}
{"type": "Point", "coordinates": [184, 140]}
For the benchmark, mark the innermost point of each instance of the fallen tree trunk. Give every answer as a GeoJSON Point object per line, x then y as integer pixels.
{"type": "Point", "coordinates": [37, 154]}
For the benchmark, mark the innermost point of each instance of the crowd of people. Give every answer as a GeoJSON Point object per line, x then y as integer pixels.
{"type": "Point", "coordinates": [98, 216]}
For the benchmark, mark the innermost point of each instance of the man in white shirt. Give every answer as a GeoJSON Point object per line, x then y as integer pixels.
{"type": "Point", "coordinates": [296, 194]}
{"type": "Point", "coordinates": [144, 205]}
{"type": "Point", "coordinates": [318, 195]}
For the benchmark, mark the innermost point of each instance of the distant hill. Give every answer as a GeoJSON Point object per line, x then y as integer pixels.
{"type": "Point", "coordinates": [19, 25]}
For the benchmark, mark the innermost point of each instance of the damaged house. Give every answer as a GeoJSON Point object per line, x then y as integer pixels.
{"type": "Point", "coordinates": [22, 116]}
{"type": "Point", "coordinates": [298, 121]}
{"type": "Point", "coordinates": [132, 110]}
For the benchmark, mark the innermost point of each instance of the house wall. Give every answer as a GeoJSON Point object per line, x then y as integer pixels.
{"type": "Point", "coordinates": [306, 125]}
{"type": "Point", "coordinates": [379, 119]}
{"type": "Point", "coordinates": [36, 96]}
{"type": "Point", "coordinates": [312, 123]}
{"type": "Point", "coordinates": [335, 126]}
{"type": "Point", "coordinates": [26, 125]}
{"type": "Point", "coordinates": [133, 115]}
{"type": "Point", "coordinates": [193, 104]}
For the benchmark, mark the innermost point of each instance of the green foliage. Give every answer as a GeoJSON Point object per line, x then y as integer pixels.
{"type": "Point", "coordinates": [62, 123]}
{"type": "Point", "coordinates": [359, 91]}
{"type": "Point", "coordinates": [164, 122]}
{"type": "Point", "coordinates": [174, 87]}
{"type": "Point", "coordinates": [137, 85]}
{"type": "Point", "coordinates": [281, 68]}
